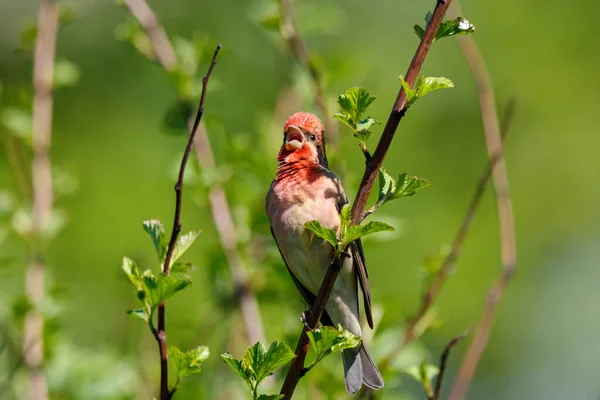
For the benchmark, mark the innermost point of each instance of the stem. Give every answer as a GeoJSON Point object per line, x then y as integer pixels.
{"type": "Point", "coordinates": [493, 138]}
{"type": "Point", "coordinates": [443, 364]}
{"type": "Point", "coordinates": [161, 335]}
{"type": "Point", "coordinates": [300, 51]}
{"type": "Point", "coordinates": [220, 209]}
{"type": "Point", "coordinates": [372, 167]}
{"type": "Point", "coordinates": [43, 73]}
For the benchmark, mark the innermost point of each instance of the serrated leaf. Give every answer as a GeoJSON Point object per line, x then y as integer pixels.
{"type": "Point", "coordinates": [458, 26]}
{"type": "Point", "coordinates": [240, 368]}
{"type": "Point", "coordinates": [183, 244]}
{"type": "Point", "coordinates": [409, 185]}
{"type": "Point", "coordinates": [140, 313]}
{"type": "Point", "coordinates": [345, 217]}
{"type": "Point", "coordinates": [322, 232]}
{"type": "Point", "coordinates": [429, 84]}
{"type": "Point", "coordinates": [156, 230]}
{"type": "Point", "coordinates": [410, 93]}
{"type": "Point", "coordinates": [189, 362]}
{"type": "Point", "coordinates": [66, 74]}
{"type": "Point", "coordinates": [264, 363]}
{"type": "Point", "coordinates": [387, 185]}
{"type": "Point", "coordinates": [181, 268]}
{"type": "Point", "coordinates": [357, 231]}
{"type": "Point", "coordinates": [424, 373]}
{"type": "Point", "coordinates": [327, 340]}
{"type": "Point", "coordinates": [353, 104]}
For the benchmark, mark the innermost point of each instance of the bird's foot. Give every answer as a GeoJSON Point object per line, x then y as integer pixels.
{"type": "Point", "coordinates": [305, 317]}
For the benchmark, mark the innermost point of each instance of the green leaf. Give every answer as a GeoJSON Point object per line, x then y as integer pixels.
{"type": "Point", "coordinates": [353, 104]}
{"type": "Point", "coordinates": [18, 122]}
{"type": "Point", "coordinates": [241, 368]}
{"type": "Point", "coordinates": [156, 230]}
{"type": "Point", "coordinates": [387, 185]}
{"type": "Point", "coordinates": [270, 397]}
{"type": "Point", "coordinates": [66, 74]}
{"type": "Point", "coordinates": [327, 340]}
{"type": "Point", "coordinates": [357, 231]}
{"type": "Point", "coordinates": [424, 373]}
{"type": "Point", "coordinates": [410, 93]}
{"type": "Point", "coordinates": [458, 26]}
{"type": "Point", "coordinates": [140, 313]}
{"type": "Point", "coordinates": [264, 363]}
{"type": "Point", "coordinates": [183, 244]}
{"type": "Point", "coordinates": [345, 218]}
{"type": "Point", "coordinates": [409, 185]}
{"type": "Point", "coordinates": [189, 362]}
{"type": "Point", "coordinates": [424, 86]}
{"type": "Point", "coordinates": [322, 232]}
{"type": "Point", "coordinates": [181, 268]}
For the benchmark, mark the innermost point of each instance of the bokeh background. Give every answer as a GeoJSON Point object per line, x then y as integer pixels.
{"type": "Point", "coordinates": [109, 139]}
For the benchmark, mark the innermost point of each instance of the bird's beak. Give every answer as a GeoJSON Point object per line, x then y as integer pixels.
{"type": "Point", "coordinates": [294, 138]}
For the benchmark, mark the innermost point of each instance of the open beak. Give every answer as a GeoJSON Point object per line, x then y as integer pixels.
{"type": "Point", "coordinates": [294, 138]}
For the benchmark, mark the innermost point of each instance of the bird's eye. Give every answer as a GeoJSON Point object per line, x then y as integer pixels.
{"type": "Point", "coordinates": [313, 137]}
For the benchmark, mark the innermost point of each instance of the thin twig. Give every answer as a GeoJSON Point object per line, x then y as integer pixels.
{"type": "Point", "coordinates": [300, 51]}
{"type": "Point", "coordinates": [493, 140]}
{"type": "Point", "coordinates": [435, 287]}
{"type": "Point", "coordinates": [165, 394]}
{"type": "Point", "coordinates": [220, 209]}
{"type": "Point", "coordinates": [372, 167]}
{"type": "Point", "coordinates": [443, 364]}
{"type": "Point", "coordinates": [43, 73]}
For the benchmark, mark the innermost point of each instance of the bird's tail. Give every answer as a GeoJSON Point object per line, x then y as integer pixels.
{"type": "Point", "coordinates": [359, 369]}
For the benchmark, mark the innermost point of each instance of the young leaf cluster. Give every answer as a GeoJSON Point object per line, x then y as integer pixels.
{"type": "Point", "coordinates": [348, 232]}
{"type": "Point", "coordinates": [353, 105]}
{"type": "Point", "coordinates": [424, 373]}
{"type": "Point", "coordinates": [259, 363]}
{"type": "Point", "coordinates": [187, 363]}
{"type": "Point", "coordinates": [391, 189]}
{"type": "Point", "coordinates": [424, 86]}
{"type": "Point", "coordinates": [458, 26]}
{"type": "Point", "coordinates": [327, 340]}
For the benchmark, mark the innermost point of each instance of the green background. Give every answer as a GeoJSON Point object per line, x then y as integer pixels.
{"type": "Point", "coordinates": [107, 132]}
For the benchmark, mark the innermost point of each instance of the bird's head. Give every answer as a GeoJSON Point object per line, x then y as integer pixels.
{"type": "Point", "coordinates": [303, 139]}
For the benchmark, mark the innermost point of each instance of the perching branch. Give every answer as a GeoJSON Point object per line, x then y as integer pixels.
{"type": "Point", "coordinates": [43, 74]}
{"type": "Point", "coordinates": [493, 138]}
{"type": "Point", "coordinates": [300, 51]}
{"type": "Point", "coordinates": [219, 206]}
{"type": "Point", "coordinates": [161, 336]}
{"type": "Point", "coordinates": [443, 364]}
{"type": "Point", "coordinates": [297, 366]}
{"type": "Point", "coordinates": [433, 290]}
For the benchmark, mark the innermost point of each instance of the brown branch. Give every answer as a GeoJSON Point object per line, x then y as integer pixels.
{"type": "Point", "coordinates": [43, 73]}
{"type": "Point", "coordinates": [297, 366]}
{"type": "Point", "coordinates": [443, 364]}
{"type": "Point", "coordinates": [220, 209]}
{"type": "Point", "coordinates": [298, 48]}
{"type": "Point", "coordinates": [161, 336]}
{"type": "Point", "coordinates": [493, 138]}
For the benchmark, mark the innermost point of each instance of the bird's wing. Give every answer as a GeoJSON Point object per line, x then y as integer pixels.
{"type": "Point", "coordinates": [306, 294]}
{"type": "Point", "coordinates": [358, 256]}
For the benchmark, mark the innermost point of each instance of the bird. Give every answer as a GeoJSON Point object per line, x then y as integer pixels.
{"type": "Point", "coordinates": [304, 189]}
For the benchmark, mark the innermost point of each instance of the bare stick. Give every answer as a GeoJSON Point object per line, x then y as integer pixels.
{"type": "Point", "coordinates": [43, 73]}
{"type": "Point", "coordinates": [493, 140]}
{"type": "Point", "coordinates": [435, 287]}
{"type": "Point", "coordinates": [161, 333]}
{"type": "Point", "coordinates": [375, 162]}
{"type": "Point", "coordinates": [443, 364]}
{"type": "Point", "coordinates": [300, 51]}
{"type": "Point", "coordinates": [220, 209]}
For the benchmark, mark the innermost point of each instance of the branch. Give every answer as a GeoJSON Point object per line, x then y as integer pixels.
{"type": "Point", "coordinates": [161, 336]}
{"type": "Point", "coordinates": [413, 330]}
{"type": "Point", "coordinates": [375, 162]}
{"type": "Point", "coordinates": [220, 209]}
{"type": "Point", "coordinates": [493, 140]}
{"type": "Point", "coordinates": [300, 51]}
{"type": "Point", "coordinates": [443, 364]}
{"type": "Point", "coordinates": [43, 73]}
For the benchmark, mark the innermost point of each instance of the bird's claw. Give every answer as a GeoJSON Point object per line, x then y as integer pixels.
{"type": "Point", "coordinates": [305, 318]}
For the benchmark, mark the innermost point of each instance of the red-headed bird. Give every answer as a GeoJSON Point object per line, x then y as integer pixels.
{"type": "Point", "coordinates": [304, 190]}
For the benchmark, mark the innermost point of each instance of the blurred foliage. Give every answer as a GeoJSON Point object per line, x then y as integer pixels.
{"type": "Point", "coordinates": [107, 143]}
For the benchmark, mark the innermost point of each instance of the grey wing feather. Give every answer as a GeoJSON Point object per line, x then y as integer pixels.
{"type": "Point", "coordinates": [358, 256]}
{"type": "Point", "coordinates": [309, 298]}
